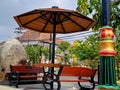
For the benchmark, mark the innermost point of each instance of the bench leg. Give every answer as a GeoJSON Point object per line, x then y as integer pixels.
{"type": "Point", "coordinates": [13, 84]}
{"type": "Point", "coordinates": [50, 83]}
{"type": "Point", "coordinates": [17, 86]}
{"type": "Point", "coordinates": [91, 87]}
{"type": "Point", "coordinates": [56, 85]}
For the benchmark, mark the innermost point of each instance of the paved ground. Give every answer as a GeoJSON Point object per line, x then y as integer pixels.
{"type": "Point", "coordinates": [64, 86]}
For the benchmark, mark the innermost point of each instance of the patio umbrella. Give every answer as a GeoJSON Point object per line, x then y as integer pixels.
{"type": "Point", "coordinates": [54, 20]}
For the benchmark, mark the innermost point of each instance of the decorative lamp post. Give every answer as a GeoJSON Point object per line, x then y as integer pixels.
{"type": "Point", "coordinates": [107, 75]}
{"type": "Point", "coordinates": [107, 72]}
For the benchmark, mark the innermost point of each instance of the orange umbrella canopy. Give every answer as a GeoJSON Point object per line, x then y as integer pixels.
{"type": "Point", "coordinates": [46, 19]}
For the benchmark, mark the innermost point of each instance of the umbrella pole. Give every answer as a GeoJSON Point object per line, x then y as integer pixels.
{"type": "Point", "coordinates": [53, 46]}
{"type": "Point", "coordinates": [50, 47]}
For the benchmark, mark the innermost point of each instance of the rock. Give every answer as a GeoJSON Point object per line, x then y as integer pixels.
{"type": "Point", "coordinates": [12, 52]}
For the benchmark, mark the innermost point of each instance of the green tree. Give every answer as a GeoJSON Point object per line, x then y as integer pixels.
{"type": "Point", "coordinates": [86, 50]}
{"type": "Point", "coordinates": [93, 46]}
{"type": "Point", "coordinates": [74, 48]}
{"type": "Point", "coordinates": [94, 7]}
{"type": "Point", "coordinates": [63, 49]}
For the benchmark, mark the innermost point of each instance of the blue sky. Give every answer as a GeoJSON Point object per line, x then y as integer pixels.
{"type": "Point", "coordinates": [10, 8]}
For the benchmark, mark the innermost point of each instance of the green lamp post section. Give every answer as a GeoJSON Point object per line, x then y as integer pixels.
{"type": "Point", "coordinates": [107, 78]}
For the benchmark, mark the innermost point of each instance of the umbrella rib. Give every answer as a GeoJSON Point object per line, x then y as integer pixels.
{"type": "Point", "coordinates": [74, 22]}
{"type": "Point", "coordinates": [47, 23]}
{"type": "Point", "coordinates": [60, 21]}
{"type": "Point", "coordinates": [45, 18]}
{"type": "Point", "coordinates": [33, 19]}
{"type": "Point", "coordinates": [82, 16]}
{"type": "Point", "coordinates": [30, 21]}
{"type": "Point", "coordinates": [65, 18]}
{"type": "Point", "coordinates": [62, 26]}
{"type": "Point", "coordinates": [89, 24]}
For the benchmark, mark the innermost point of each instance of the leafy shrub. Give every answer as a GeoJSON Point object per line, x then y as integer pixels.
{"type": "Point", "coordinates": [33, 53]}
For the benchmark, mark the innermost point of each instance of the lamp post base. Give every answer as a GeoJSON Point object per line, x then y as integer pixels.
{"type": "Point", "coordinates": [105, 87]}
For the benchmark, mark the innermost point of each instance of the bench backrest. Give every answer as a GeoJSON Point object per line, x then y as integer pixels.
{"type": "Point", "coordinates": [70, 71]}
{"type": "Point", "coordinates": [26, 69]}
{"type": "Point", "coordinates": [87, 72]}
{"type": "Point", "coordinates": [78, 71]}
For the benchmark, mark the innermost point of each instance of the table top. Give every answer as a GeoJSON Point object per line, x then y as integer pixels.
{"type": "Point", "coordinates": [49, 65]}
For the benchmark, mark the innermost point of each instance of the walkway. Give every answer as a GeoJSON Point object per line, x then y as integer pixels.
{"type": "Point", "coordinates": [65, 86]}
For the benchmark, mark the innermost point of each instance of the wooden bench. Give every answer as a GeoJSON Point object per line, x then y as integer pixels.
{"type": "Point", "coordinates": [75, 74]}
{"type": "Point", "coordinates": [21, 75]}
{"type": "Point", "coordinates": [79, 75]}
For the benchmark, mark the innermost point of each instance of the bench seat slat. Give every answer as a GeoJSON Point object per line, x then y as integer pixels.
{"type": "Point", "coordinates": [81, 80]}
{"type": "Point", "coordinates": [32, 76]}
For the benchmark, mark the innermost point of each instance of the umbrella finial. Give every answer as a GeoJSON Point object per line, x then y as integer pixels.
{"type": "Point", "coordinates": [54, 6]}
